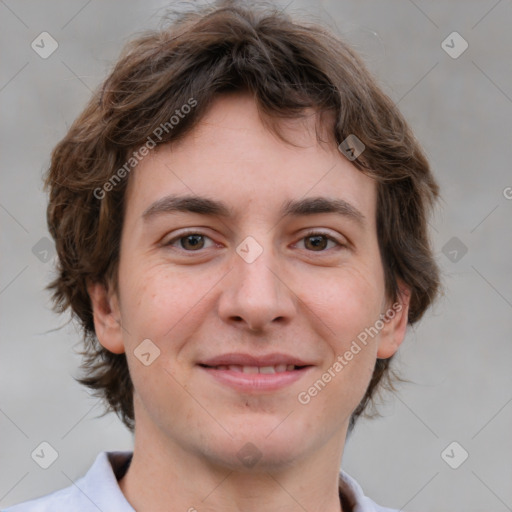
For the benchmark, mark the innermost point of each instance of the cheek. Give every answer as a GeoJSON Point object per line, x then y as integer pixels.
{"type": "Point", "coordinates": [351, 305]}
{"type": "Point", "coordinates": [347, 300]}
{"type": "Point", "coordinates": [161, 301]}
{"type": "Point", "coordinates": [160, 305]}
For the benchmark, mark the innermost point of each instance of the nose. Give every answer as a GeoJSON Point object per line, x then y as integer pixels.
{"type": "Point", "coordinates": [256, 294]}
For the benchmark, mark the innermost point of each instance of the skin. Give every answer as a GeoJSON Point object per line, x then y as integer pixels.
{"type": "Point", "coordinates": [193, 303]}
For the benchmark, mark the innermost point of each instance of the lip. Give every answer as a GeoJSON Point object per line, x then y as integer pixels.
{"type": "Point", "coordinates": [255, 382]}
{"type": "Point", "coordinates": [241, 359]}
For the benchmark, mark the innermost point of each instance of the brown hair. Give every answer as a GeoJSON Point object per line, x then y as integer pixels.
{"type": "Point", "coordinates": [288, 67]}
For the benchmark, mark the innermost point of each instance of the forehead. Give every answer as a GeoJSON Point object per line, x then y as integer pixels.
{"type": "Point", "coordinates": [232, 155]}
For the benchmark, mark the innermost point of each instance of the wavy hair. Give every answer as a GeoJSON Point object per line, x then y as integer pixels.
{"type": "Point", "coordinates": [288, 66]}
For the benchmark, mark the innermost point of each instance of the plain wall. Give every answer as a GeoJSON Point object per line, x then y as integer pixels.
{"type": "Point", "coordinates": [458, 358]}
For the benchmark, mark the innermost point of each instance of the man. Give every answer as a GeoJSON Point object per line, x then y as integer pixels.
{"type": "Point", "coordinates": [241, 221]}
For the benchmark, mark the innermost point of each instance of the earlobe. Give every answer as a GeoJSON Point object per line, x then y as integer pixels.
{"type": "Point", "coordinates": [395, 324]}
{"type": "Point", "coordinates": [106, 317]}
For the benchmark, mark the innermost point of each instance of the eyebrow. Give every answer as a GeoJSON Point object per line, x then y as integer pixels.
{"type": "Point", "coordinates": [210, 207]}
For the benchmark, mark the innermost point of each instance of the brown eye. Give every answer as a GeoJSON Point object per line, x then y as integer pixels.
{"type": "Point", "coordinates": [192, 242]}
{"type": "Point", "coordinates": [319, 242]}
{"type": "Point", "coordinates": [189, 242]}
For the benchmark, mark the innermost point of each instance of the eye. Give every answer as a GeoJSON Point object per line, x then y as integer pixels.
{"type": "Point", "coordinates": [190, 242]}
{"type": "Point", "coordinates": [314, 241]}
{"type": "Point", "coordinates": [318, 241]}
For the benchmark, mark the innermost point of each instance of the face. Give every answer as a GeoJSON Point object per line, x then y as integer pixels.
{"type": "Point", "coordinates": [249, 294]}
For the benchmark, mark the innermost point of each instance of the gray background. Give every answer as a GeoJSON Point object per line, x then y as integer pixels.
{"type": "Point", "coordinates": [458, 358]}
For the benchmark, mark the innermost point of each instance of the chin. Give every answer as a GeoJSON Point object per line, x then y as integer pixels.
{"type": "Point", "coordinates": [256, 452]}
{"type": "Point", "coordinates": [251, 459]}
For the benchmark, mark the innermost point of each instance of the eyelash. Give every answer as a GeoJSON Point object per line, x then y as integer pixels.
{"type": "Point", "coordinates": [307, 235]}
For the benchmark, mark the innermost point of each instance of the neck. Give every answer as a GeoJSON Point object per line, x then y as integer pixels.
{"type": "Point", "coordinates": [163, 476]}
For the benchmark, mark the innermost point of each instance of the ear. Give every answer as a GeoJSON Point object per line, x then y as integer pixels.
{"type": "Point", "coordinates": [106, 315]}
{"type": "Point", "coordinates": [395, 323]}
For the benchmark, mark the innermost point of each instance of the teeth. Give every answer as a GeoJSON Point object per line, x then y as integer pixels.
{"type": "Point", "coordinates": [278, 368]}
{"type": "Point", "coordinates": [250, 369]}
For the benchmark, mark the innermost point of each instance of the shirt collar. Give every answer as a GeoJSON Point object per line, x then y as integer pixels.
{"type": "Point", "coordinates": [100, 484]}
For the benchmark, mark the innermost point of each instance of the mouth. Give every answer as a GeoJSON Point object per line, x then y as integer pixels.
{"type": "Point", "coordinates": [266, 370]}
{"type": "Point", "coordinates": [255, 374]}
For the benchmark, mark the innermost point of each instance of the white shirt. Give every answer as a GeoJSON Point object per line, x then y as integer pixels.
{"type": "Point", "coordinates": [99, 490]}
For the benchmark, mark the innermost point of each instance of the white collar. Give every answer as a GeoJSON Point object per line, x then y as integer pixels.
{"type": "Point", "coordinates": [98, 490]}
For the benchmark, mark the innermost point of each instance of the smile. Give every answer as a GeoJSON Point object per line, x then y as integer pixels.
{"type": "Point", "coordinates": [278, 368]}
{"type": "Point", "coordinates": [252, 377]}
